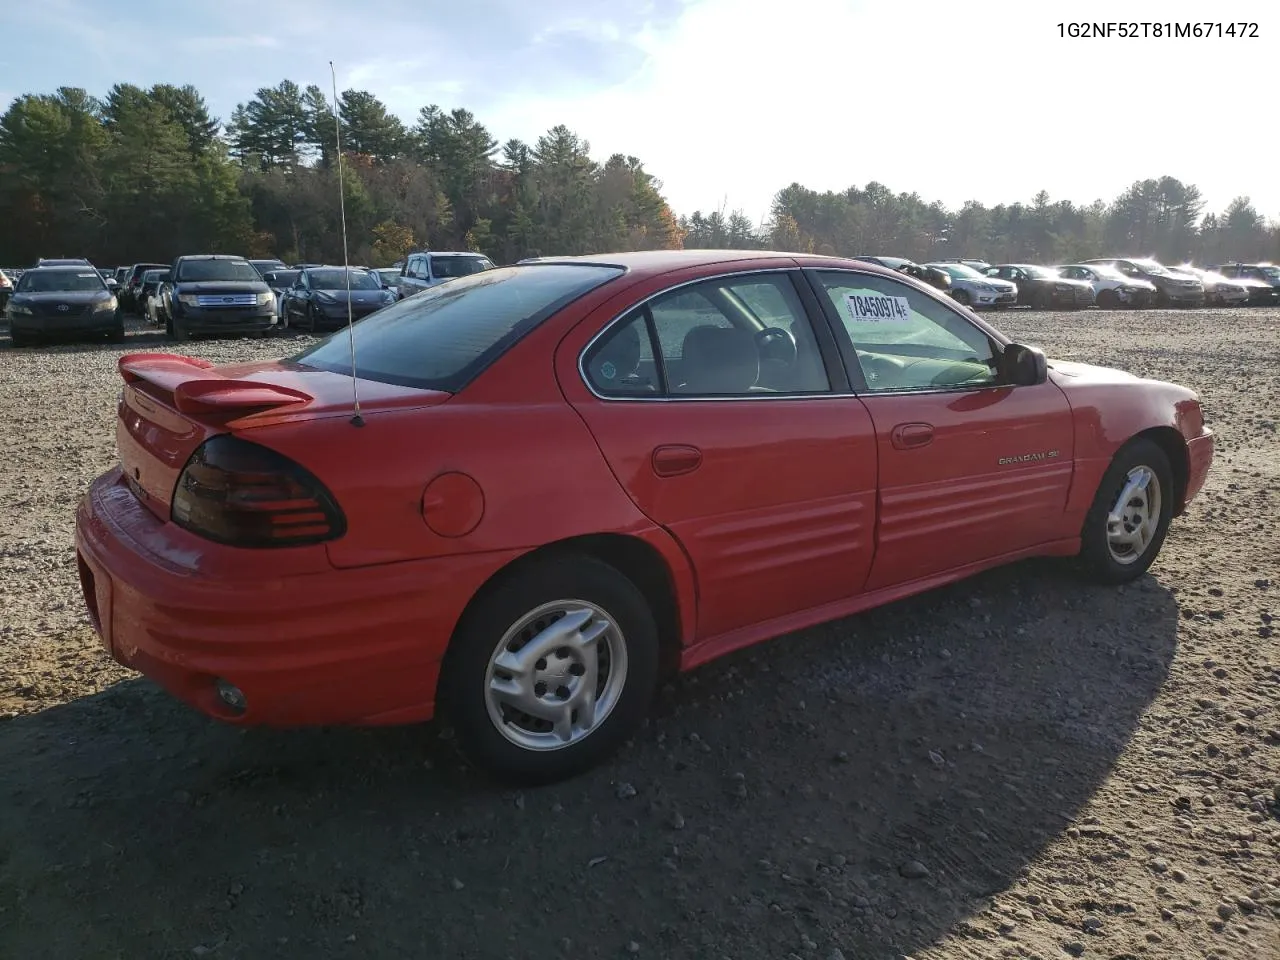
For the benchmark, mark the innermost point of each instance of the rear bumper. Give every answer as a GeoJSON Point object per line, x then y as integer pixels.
{"type": "Point", "coordinates": [328, 646]}
{"type": "Point", "coordinates": [1199, 459]}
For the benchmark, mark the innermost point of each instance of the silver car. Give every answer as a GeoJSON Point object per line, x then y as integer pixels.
{"type": "Point", "coordinates": [974, 290]}
{"type": "Point", "coordinates": [424, 270]}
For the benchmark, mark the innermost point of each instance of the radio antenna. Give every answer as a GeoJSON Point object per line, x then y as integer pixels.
{"type": "Point", "coordinates": [356, 419]}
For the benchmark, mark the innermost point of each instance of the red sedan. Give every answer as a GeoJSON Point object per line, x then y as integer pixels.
{"type": "Point", "coordinates": [566, 477]}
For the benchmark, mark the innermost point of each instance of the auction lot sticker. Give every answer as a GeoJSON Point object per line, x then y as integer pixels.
{"type": "Point", "coordinates": [877, 308]}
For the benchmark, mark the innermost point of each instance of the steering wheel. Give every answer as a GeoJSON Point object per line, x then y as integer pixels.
{"type": "Point", "coordinates": [776, 343]}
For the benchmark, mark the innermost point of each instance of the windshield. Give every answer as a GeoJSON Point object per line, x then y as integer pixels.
{"type": "Point", "coordinates": [51, 281]}
{"type": "Point", "coordinates": [282, 278]}
{"type": "Point", "coordinates": [1150, 266]}
{"type": "Point", "coordinates": [389, 274]}
{"type": "Point", "coordinates": [445, 267]}
{"type": "Point", "coordinates": [1271, 273]}
{"type": "Point", "coordinates": [959, 271]}
{"type": "Point", "coordinates": [443, 337]}
{"type": "Point", "coordinates": [190, 271]}
{"type": "Point", "coordinates": [337, 280]}
{"type": "Point", "coordinates": [152, 276]}
{"type": "Point", "coordinates": [264, 266]}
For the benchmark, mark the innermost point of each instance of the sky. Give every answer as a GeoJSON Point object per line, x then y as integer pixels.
{"type": "Point", "coordinates": [729, 101]}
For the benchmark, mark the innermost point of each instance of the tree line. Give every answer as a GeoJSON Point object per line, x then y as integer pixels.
{"type": "Point", "coordinates": [149, 174]}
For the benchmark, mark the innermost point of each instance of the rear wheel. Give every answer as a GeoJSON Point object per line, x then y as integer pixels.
{"type": "Point", "coordinates": [1129, 519]}
{"type": "Point", "coordinates": [552, 671]}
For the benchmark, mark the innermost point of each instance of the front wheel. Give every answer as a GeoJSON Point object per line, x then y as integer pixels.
{"type": "Point", "coordinates": [962, 297]}
{"type": "Point", "coordinates": [552, 671]}
{"type": "Point", "coordinates": [1130, 515]}
{"type": "Point", "coordinates": [1107, 300]}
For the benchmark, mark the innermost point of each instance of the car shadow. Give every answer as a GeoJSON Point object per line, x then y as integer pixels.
{"type": "Point", "coordinates": [773, 802]}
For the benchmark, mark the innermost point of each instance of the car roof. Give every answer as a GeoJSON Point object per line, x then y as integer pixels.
{"type": "Point", "coordinates": [212, 256]}
{"type": "Point", "coordinates": [59, 268]}
{"type": "Point", "coordinates": [661, 261]}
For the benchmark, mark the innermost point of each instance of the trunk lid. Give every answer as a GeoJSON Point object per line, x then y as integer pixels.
{"type": "Point", "coordinates": [171, 404]}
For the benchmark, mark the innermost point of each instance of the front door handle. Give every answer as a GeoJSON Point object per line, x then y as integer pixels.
{"type": "Point", "coordinates": [908, 436]}
{"type": "Point", "coordinates": [673, 459]}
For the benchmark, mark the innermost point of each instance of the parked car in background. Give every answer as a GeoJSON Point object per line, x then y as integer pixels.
{"type": "Point", "coordinates": [63, 262]}
{"type": "Point", "coordinates": [1111, 288]}
{"type": "Point", "coordinates": [6, 288]}
{"type": "Point", "coordinates": [121, 275]}
{"type": "Point", "coordinates": [388, 278]}
{"type": "Point", "coordinates": [1219, 291]}
{"type": "Point", "coordinates": [280, 281]}
{"type": "Point", "coordinates": [542, 516]}
{"type": "Point", "coordinates": [930, 275]}
{"type": "Point", "coordinates": [1262, 279]}
{"type": "Point", "coordinates": [971, 288]}
{"type": "Point", "coordinates": [424, 270]}
{"type": "Point", "coordinates": [318, 298]}
{"type": "Point", "coordinates": [978, 265]}
{"type": "Point", "coordinates": [1172, 289]}
{"type": "Point", "coordinates": [216, 294]}
{"type": "Point", "coordinates": [266, 266]}
{"type": "Point", "coordinates": [60, 302]}
{"type": "Point", "coordinates": [128, 291]}
{"type": "Point", "coordinates": [149, 292]}
{"type": "Point", "coordinates": [893, 263]}
{"type": "Point", "coordinates": [1044, 287]}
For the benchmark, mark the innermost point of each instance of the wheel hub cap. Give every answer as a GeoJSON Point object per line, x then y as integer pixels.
{"type": "Point", "coordinates": [556, 675]}
{"type": "Point", "coordinates": [1135, 516]}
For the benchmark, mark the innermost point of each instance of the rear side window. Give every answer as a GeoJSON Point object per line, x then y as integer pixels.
{"type": "Point", "coordinates": [444, 337]}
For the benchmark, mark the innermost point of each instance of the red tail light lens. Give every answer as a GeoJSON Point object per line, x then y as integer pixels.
{"type": "Point", "coordinates": [245, 495]}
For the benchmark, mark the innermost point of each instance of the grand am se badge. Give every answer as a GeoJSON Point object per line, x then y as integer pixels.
{"type": "Point", "coordinates": [1028, 457]}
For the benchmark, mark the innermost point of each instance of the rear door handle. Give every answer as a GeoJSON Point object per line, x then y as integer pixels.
{"type": "Point", "coordinates": [908, 436]}
{"type": "Point", "coordinates": [673, 459]}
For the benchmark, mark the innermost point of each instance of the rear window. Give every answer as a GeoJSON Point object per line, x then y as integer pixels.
{"type": "Point", "coordinates": [444, 337]}
{"type": "Point", "coordinates": [444, 267]}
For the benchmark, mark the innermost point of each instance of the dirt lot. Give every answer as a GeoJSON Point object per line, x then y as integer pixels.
{"type": "Point", "coordinates": [1018, 766]}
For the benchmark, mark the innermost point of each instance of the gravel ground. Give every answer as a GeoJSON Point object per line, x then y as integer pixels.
{"type": "Point", "coordinates": [1021, 765]}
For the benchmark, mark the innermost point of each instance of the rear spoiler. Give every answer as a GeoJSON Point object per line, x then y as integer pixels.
{"type": "Point", "coordinates": [198, 388]}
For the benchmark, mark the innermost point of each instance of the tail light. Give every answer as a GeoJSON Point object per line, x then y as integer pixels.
{"type": "Point", "coordinates": [245, 495]}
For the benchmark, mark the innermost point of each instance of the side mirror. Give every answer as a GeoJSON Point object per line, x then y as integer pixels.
{"type": "Point", "coordinates": [1024, 366]}
{"type": "Point", "coordinates": [111, 283]}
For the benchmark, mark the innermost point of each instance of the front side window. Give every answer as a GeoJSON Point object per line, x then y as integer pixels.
{"type": "Point", "coordinates": [906, 340]}
{"type": "Point", "coordinates": [735, 336]}
{"type": "Point", "coordinates": [445, 336]}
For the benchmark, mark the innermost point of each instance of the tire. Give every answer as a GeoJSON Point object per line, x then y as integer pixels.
{"type": "Point", "coordinates": [514, 746]}
{"type": "Point", "coordinates": [116, 333]}
{"type": "Point", "coordinates": [178, 330]}
{"type": "Point", "coordinates": [1107, 300]}
{"type": "Point", "coordinates": [962, 297]}
{"type": "Point", "coordinates": [19, 339]}
{"type": "Point", "coordinates": [1108, 563]}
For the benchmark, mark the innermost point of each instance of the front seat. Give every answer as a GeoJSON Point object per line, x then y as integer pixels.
{"type": "Point", "coordinates": [720, 360]}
